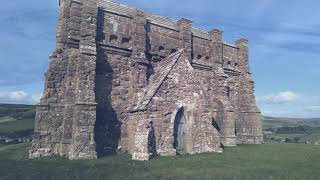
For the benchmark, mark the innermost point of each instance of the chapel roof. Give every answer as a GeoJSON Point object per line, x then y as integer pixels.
{"type": "Point", "coordinates": [161, 72]}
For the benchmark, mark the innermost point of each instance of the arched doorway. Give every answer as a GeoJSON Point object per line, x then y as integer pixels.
{"type": "Point", "coordinates": [180, 132]}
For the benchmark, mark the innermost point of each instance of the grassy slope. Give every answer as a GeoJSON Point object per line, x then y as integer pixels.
{"type": "Point", "coordinates": [254, 162]}
{"type": "Point", "coordinates": [265, 162]}
{"type": "Point", "coordinates": [15, 126]}
{"type": "Point", "coordinates": [17, 111]}
{"type": "Point", "coordinates": [14, 118]}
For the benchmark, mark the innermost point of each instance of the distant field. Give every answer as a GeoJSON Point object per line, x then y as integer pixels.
{"type": "Point", "coordinates": [17, 111]}
{"type": "Point", "coordinates": [249, 162]}
{"type": "Point", "coordinates": [6, 119]}
{"type": "Point", "coordinates": [292, 130]}
{"type": "Point", "coordinates": [15, 126]}
{"type": "Point", "coordinates": [16, 118]}
{"type": "Point", "coordinates": [275, 122]}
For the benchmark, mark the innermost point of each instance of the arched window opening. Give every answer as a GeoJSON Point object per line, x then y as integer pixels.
{"type": "Point", "coordinates": [150, 71]}
{"type": "Point", "coordinates": [235, 129]}
{"type": "Point", "coordinates": [215, 124]}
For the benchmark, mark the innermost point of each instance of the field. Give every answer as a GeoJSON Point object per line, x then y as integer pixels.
{"type": "Point", "coordinates": [271, 161]}
{"type": "Point", "coordinates": [276, 122]}
{"type": "Point", "coordinates": [248, 162]}
{"type": "Point", "coordinates": [292, 130]}
{"type": "Point", "coordinates": [16, 126]}
{"type": "Point", "coordinates": [16, 119]}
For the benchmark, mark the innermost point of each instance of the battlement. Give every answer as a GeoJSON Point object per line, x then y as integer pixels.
{"type": "Point", "coordinates": [124, 10]}
{"type": "Point", "coordinates": [122, 80]}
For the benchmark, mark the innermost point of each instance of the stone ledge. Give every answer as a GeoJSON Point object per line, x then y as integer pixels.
{"type": "Point", "coordinates": [86, 103]}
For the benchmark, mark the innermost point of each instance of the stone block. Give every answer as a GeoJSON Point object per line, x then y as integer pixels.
{"type": "Point", "coordinates": [161, 86]}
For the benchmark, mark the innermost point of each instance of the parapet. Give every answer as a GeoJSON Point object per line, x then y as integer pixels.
{"type": "Point", "coordinates": [124, 10]}
{"type": "Point", "coordinates": [242, 42]}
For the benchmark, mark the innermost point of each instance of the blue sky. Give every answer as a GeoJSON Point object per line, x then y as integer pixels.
{"type": "Point", "coordinates": [284, 46]}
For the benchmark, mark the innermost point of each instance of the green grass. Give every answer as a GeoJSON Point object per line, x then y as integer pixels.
{"type": "Point", "coordinates": [283, 136]}
{"type": "Point", "coordinates": [15, 126]}
{"type": "Point", "coordinates": [6, 119]}
{"type": "Point", "coordinates": [16, 118]}
{"type": "Point", "coordinates": [314, 137]}
{"type": "Point", "coordinates": [249, 162]}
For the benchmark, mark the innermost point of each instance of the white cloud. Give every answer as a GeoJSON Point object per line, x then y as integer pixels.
{"type": "Point", "coordinates": [19, 97]}
{"type": "Point", "coordinates": [36, 98]}
{"type": "Point", "coordinates": [13, 96]}
{"type": "Point", "coordinates": [290, 104]}
{"type": "Point", "coordinates": [279, 98]}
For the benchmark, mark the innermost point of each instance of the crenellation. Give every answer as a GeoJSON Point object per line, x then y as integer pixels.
{"type": "Point", "coordinates": [124, 80]}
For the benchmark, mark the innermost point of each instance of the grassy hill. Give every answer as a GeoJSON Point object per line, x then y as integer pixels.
{"type": "Point", "coordinates": [249, 162]}
{"type": "Point", "coordinates": [16, 118]}
{"type": "Point", "coordinates": [275, 122]}
{"type": "Point", "coordinates": [17, 111]}
{"type": "Point", "coordinates": [270, 161]}
{"type": "Point", "coordinates": [299, 130]}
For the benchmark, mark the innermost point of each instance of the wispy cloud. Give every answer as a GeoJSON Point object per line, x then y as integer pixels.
{"type": "Point", "coordinates": [13, 96]}
{"type": "Point", "coordinates": [284, 45]}
{"type": "Point", "coordinates": [294, 39]}
{"type": "Point", "coordinates": [19, 97]}
{"type": "Point", "coordinates": [289, 104]}
{"type": "Point", "coordinates": [279, 98]}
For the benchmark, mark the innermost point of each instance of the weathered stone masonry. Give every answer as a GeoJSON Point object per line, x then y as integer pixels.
{"type": "Point", "coordinates": [124, 80]}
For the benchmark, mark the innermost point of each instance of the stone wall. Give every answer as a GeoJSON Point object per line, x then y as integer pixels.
{"type": "Point", "coordinates": [66, 114]}
{"type": "Point", "coordinates": [119, 75]}
{"type": "Point", "coordinates": [180, 88]}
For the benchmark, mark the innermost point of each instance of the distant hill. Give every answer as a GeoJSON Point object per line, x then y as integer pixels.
{"type": "Point", "coordinates": [17, 111]}
{"type": "Point", "coordinates": [16, 119]}
{"type": "Point", "coordinates": [275, 122]}
{"type": "Point", "coordinates": [298, 130]}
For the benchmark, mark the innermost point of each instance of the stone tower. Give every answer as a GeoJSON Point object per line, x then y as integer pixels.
{"type": "Point", "coordinates": [124, 80]}
{"type": "Point", "coordinates": [66, 114]}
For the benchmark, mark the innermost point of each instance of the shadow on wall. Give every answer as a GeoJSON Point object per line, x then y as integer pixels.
{"type": "Point", "coordinates": [107, 127]}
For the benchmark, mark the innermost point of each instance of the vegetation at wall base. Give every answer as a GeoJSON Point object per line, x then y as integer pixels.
{"type": "Point", "coordinates": [246, 162]}
{"type": "Point", "coordinates": [275, 160]}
